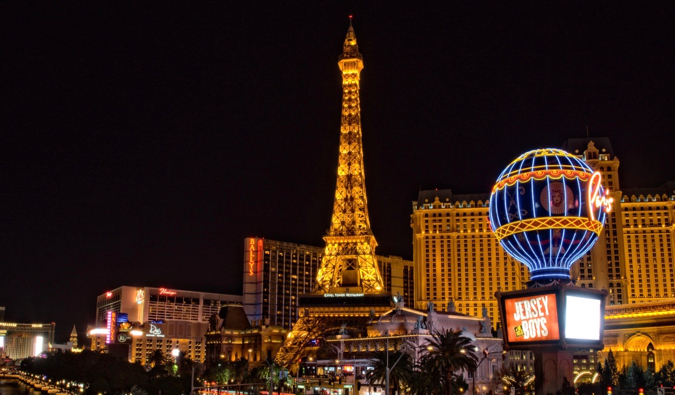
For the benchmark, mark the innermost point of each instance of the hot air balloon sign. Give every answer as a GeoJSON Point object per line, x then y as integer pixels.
{"type": "Point", "coordinates": [547, 209]}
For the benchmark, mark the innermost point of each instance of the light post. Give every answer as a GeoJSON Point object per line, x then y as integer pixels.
{"type": "Point", "coordinates": [271, 390]}
{"type": "Point", "coordinates": [486, 353]}
{"type": "Point", "coordinates": [388, 370]}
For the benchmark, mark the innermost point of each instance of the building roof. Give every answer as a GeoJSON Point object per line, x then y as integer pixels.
{"type": "Point", "coordinates": [233, 317]}
{"type": "Point", "coordinates": [446, 195]}
{"type": "Point", "coordinates": [667, 189]}
{"type": "Point", "coordinates": [579, 145]}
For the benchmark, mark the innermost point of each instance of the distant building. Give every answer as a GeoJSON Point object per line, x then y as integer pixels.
{"type": "Point", "coordinates": [73, 337]}
{"type": "Point", "coordinates": [18, 341]}
{"type": "Point", "coordinates": [231, 336]}
{"type": "Point", "coordinates": [276, 273]}
{"type": "Point", "coordinates": [71, 344]}
{"type": "Point", "coordinates": [147, 319]}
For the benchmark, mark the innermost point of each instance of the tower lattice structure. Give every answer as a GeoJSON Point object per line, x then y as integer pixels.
{"type": "Point", "coordinates": [349, 288]}
{"type": "Point", "coordinates": [349, 260]}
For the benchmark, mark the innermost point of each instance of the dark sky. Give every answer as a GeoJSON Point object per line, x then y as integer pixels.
{"type": "Point", "coordinates": [141, 145]}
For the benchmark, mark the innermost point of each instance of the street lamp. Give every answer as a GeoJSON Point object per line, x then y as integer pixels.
{"type": "Point", "coordinates": [486, 353]}
{"type": "Point", "coordinates": [388, 370]}
{"type": "Point", "coordinates": [269, 363]}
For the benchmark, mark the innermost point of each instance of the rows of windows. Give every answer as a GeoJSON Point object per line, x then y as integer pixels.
{"type": "Point", "coordinates": [289, 272]}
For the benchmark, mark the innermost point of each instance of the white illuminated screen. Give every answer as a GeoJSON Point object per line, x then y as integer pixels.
{"type": "Point", "coordinates": [2, 342]}
{"type": "Point", "coordinates": [582, 318]}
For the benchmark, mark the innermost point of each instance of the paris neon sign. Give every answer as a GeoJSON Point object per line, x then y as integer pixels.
{"type": "Point", "coordinates": [595, 196]}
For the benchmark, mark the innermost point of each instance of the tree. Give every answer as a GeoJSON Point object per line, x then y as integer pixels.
{"type": "Point", "coordinates": [447, 352]}
{"type": "Point", "coordinates": [612, 370]}
{"type": "Point", "coordinates": [664, 377]}
{"type": "Point", "coordinates": [634, 377]}
{"type": "Point", "coordinates": [185, 364]}
{"type": "Point", "coordinates": [157, 357]}
{"type": "Point", "coordinates": [264, 372]}
{"type": "Point", "coordinates": [240, 371]}
{"type": "Point", "coordinates": [649, 379]}
{"type": "Point", "coordinates": [514, 378]}
{"type": "Point", "coordinates": [221, 373]}
{"type": "Point", "coordinates": [605, 376]}
{"type": "Point", "coordinates": [400, 373]}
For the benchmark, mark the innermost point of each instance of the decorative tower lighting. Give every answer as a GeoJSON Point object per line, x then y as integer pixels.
{"type": "Point", "coordinates": [349, 259]}
{"type": "Point", "coordinates": [349, 289]}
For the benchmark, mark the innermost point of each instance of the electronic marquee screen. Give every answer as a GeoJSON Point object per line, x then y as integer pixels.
{"type": "Point", "coordinates": [532, 318]}
{"type": "Point", "coordinates": [582, 318]}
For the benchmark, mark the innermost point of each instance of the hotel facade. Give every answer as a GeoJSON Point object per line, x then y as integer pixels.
{"type": "Point", "coordinates": [18, 341]}
{"type": "Point", "coordinates": [457, 257]}
{"type": "Point", "coordinates": [144, 319]}
{"type": "Point", "coordinates": [276, 273]}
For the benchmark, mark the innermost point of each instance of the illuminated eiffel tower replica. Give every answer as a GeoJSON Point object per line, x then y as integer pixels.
{"type": "Point", "coordinates": [349, 290]}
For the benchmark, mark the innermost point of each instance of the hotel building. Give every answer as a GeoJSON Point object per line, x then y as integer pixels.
{"type": "Point", "coordinates": [458, 258]}
{"type": "Point", "coordinates": [231, 336]}
{"type": "Point", "coordinates": [146, 319]}
{"type": "Point", "coordinates": [276, 273]}
{"type": "Point", "coordinates": [18, 341]}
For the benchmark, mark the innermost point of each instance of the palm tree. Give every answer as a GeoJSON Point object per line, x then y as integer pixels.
{"type": "Point", "coordinates": [157, 357]}
{"type": "Point", "coordinates": [424, 381]}
{"type": "Point", "coordinates": [264, 372]}
{"type": "Point", "coordinates": [518, 379]}
{"type": "Point", "coordinates": [447, 352]}
{"type": "Point", "coordinates": [158, 364]}
{"type": "Point", "coordinates": [400, 374]}
{"type": "Point", "coordinates": [240, 369]}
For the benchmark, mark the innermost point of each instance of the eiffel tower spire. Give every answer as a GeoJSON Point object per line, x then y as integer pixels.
{"type": "Point", "coordinates": [349, 260]}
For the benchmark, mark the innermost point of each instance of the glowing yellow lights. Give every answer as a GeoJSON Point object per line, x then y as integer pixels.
{"type": "Point", "coordinates": [349, 259]}
{"type": "Point", "coordinates": [539, 175]}
{"type": "Point", "coordinates": [645, 314]}
{"type": "Point", "coordinates": [548, 223]}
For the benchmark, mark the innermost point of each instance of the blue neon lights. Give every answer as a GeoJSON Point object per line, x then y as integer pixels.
{"type": "Point", "coordinates": [547, 209]}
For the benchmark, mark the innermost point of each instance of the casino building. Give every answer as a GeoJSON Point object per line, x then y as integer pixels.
{"type": "Point", "coordinates": [276, 273]}
{"type": "Point", "coordinates": [18, 341]}
{"type": "Point", "coordinates": [457, 258]}
{"type": "Point", "coordinates": [135, 321]}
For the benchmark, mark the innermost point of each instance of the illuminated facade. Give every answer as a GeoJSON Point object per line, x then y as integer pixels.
{"type": "Point", "coordinates": [349, 287]}
{"type": "Point", "coordinates": [156, 318]}
{"type": "Point", "coordinates": [408, 330]}
{"type": "Point", "coordinates": [152, 304]}
{"type": "Point", "coordinates": [18, 341]}
{"type": "Point", "coordinates": [634, 256]}
{"type": "Point", "coordinates": [276, 273]}
{"type": "Point", "coordinates": [642, 332]}
{"type": "Point", "coordinates": [231, 336]}
{"type": "Point", "coordinates": [458, 258]}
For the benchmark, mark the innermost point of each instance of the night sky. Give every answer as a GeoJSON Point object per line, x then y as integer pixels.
{"type": "Point", "coordinates": [141, 145]}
